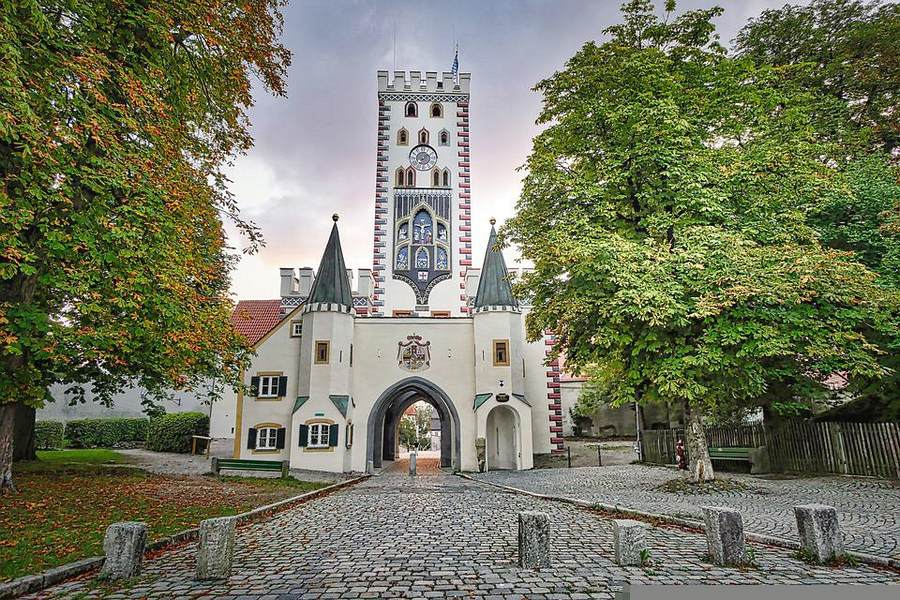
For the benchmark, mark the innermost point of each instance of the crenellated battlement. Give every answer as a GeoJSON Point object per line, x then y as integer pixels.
{"type": "Point", "coordinates": [429, 82]}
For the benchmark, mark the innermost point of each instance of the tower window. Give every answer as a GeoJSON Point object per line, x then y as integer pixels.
{"type": "Point", "coordinates": [401, 177]}
{"type": "Point", "coordinates": [322, 348]}
{"type": "Point", "coordinates": [501, 353]}
{"type": "Point", "coordinates": [410, 177]}
{"type": "Point", "coordinates": [437, 110]}
{"type": "Point", "coordinates": [423, 136]}
{"type": "Point", "coordinates": [445, 138]}
{"type": "Point", "coordinates": [446, 178]}
{"type": "Point", "coordinates": [402, 138]}
{"type": "Point", "coordinates": [411, 110]}
{"type": "Point", "coordinates": [435, 178]}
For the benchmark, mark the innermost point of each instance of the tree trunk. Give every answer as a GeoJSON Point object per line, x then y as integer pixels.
{"type": "Point", "coordinates": [701, 466]}
{"type": "Point", "coordinates": [7, 422]}
{"type": "Point", "coordinates": [23, 433]}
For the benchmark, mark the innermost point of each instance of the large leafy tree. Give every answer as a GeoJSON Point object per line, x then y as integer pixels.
{"type": "Point", "coordinates": [116, 119]}
{"type": "Point", "coordinates": [664, 207]}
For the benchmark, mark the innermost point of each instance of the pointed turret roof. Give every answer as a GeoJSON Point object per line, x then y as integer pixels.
{"type": "Point", "coordinates": [331, 284]}
{"type": "Point", "coordinates": [494, 288]}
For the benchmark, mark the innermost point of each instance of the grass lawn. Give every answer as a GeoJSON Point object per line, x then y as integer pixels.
{"type": "Point", "coordinates": [67, 498]}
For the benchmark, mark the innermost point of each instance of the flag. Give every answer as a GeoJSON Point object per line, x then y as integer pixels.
{"type": "Point", "coordinates": [455, 68]}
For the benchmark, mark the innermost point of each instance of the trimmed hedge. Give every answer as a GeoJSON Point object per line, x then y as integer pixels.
{"type": "Point", "coordinates": [172, 432]}
{"type": "Point", "coordinates": [105, 433]}
{"type": "Point", "coordinates": [48, 435]}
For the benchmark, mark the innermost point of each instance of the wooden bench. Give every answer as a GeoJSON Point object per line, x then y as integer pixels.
{"type": "Point", "coordinates": [757, 458]}
{"type": "Point", "coordinates": [245, 464]}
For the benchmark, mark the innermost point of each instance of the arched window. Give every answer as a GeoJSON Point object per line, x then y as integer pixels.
{"type": "Point", "coordinates": [435, 178]}
{"type": "Point", "coordinates": [410, 177]}
{"type": "Point", "coordinates": [411, 110]}
{"type": "Point", "coordinates": [401, 177]}
{"type": "Point", "coordinates": [445, 138]}
{"type": "Point", "coordinates": [423, 136]}
{"type": "Point", "coordinates": [446, 178]}
{"type": "Point", "coordinates": [437, 110]}
{"type": "Point", "coordinates": [402, 137]}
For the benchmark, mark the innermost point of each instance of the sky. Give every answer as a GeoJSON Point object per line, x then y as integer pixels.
{"type": "Point", "coordinates": [314, 152]}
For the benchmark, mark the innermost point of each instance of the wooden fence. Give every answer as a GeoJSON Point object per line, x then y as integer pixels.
{"type": "Point", "coordinates": [800, 446]}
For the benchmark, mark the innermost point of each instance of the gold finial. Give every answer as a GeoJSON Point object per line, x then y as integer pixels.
{"type": "Point", "coordinates": [493, 221]}
{"type": "Point", "coordinates": [335, 217]}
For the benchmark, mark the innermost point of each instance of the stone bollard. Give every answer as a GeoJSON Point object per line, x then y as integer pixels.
{"type": "Point", "coordinates": [412, 463]}
{"type": "Point", "coordinates": [724, 535]}
{"type": "Point", "coordinates": [370, 467]}
{"type": "Point", "coordinates": [534, 540]}
{"type": "Point", "coordinates": [123, 545]}
{"type": "Point", "coordinates": [215, 550]}
{"type": "Point", "coordinates": [628, 541]}
{"type": "Point", "coordinates": [820, 532]}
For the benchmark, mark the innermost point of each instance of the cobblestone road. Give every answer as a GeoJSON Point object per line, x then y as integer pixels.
{"type": "Point", "coordinates": [869, 509]}
{"type": "Point", "coordinates": [439, 536]}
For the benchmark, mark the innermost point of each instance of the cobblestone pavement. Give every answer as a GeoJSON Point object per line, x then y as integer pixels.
{"type": "Point", "coordinates": [869, 509]}
{"type": "Point", "coordinates": [440, 536]}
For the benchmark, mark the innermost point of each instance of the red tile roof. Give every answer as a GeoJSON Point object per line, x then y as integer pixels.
{"type": "Point", "coordinates": [255, 318]}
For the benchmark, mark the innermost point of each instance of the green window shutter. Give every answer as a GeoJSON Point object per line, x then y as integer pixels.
{"type": "Point", "coordinates": [282, 386]}
{"type": "Point", "coordinates": [279, 438]}
{"type": "Point", "coordinates": [254, 386]}
{"type": "Point", "coordinates": [251, 438]}
{"type": "Point", "coordinates": [333, 435]}
{"type": "Point", "coordinates": [303, 435]}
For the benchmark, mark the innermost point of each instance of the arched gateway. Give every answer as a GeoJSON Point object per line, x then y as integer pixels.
{"type": "Point", "coordinates": [385, 416]}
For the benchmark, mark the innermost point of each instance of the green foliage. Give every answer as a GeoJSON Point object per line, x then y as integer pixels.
{"type": "Point", "coordinates": [48, 435]}
{"type": "Point", "coordinates": [172, 432]}
{"type": "Point", "coordinates": [105, 433]}
{"type": "Point", "coordinates": [666, 210]}
{"type": "Point", "coordinates": [414, 429]}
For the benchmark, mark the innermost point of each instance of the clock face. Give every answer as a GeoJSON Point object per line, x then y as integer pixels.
{"type": "Point", "coordinates": [422, 157]}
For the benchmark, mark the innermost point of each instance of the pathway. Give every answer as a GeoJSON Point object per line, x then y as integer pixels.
{"type": "Point", "coordinates": [869, 509]}
{"type": "Point", "coordinates": [439, 536]}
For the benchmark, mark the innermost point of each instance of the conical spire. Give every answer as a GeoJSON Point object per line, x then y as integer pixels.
{"type": "Point", "coordinates": [494, 288]}
{"type": "Point", "coordinates": [331, 284]}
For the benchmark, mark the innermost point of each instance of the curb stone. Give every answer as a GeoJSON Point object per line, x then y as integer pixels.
{"type": "Point", "coordinates": [771, 540]}
{"type": "Point", "coordinates": [29, 584]}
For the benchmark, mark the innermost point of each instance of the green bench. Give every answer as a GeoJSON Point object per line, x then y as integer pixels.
{"type": "Point", "coordinates": [757, 458]}
{"type": "Point", "coordinates": [245, 464]}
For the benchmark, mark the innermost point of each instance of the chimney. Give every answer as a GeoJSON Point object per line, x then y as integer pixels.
{"type": "Point", "coordinates": [306, 281]}
{"type": "Point", "coordinates": [288, 282]}
{"type": "Point", "coordinates": [366, 283]}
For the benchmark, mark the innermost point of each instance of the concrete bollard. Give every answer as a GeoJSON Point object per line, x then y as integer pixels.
{"type": "Point", "coordinates": [534, 540]}
{"type": "Point", "coordinates": [412, 463]}
{"type": "Point", "coordinates": [628, 542]}
{"type": "Point", "coordinates": [724, 535]}
{"type": "Point", "coordinates": [215, 549]}
{"type": "Point", "coordinates": [370, 467]}
{"type": "Point", "coordinates": [123, 545]}
{"type": "Point", "coordinates": [820, 531]}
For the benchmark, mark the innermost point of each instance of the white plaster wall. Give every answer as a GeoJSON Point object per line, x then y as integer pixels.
{"type": "Point", "coordinates": [536, 392]}
{"type": "Point", "coordinates": [319, 459]}
{"type": "Point", "coordinates": [452, 369]}
{"type": "Point", "coordinates": [279, 352]}
{"type": "Point", "coordinates": [523, 425]}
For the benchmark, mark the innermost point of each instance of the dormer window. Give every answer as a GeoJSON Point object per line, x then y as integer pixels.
{"type": "Point", "coordinates": [436, 110]}
{"type": "Point", "coordinates": [411, 110]}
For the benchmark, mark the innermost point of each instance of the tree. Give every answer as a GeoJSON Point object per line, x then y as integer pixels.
{"type": "Point", "coordinates": [414, 429]}
{"type": "Point", "coordinates": [664, 209]}
{"type": "Point", "coordinates": [116, 120]}
{"type": "Point", "coordinates": [846, 49]}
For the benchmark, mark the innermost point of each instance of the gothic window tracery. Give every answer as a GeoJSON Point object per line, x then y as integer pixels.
{"type": "Point", "coordinates": [403, 232]}
{"type": "Point", "coordinates": [441, 263]}
{"type": "Point", "coordinates": [441, 232]}
{"type": "Point", "coordinates": [422, 261]}
{"type": "Point", "coordinates": [402, 263]}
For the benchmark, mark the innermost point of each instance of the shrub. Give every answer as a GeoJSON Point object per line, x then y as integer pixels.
{"type": "Point", "coordinates": [172, 432]}
{"type": "Point", "coordinates": [48, 435]}
{"type": "Point", "coordinates": [105, 433]}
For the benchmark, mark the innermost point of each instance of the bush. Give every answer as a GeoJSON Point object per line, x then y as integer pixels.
{"type": "Point", "coordinates": [105, 433]}
{"type": "Point", "coordinates": [172, 432]}
{"type": "Point", "coordinates": [48, 435]}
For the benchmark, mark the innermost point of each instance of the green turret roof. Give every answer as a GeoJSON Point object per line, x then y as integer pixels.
{"type": "Point", "coordinates": [331, 284]}
{"type": "Point", "coordinates": [494, 288]}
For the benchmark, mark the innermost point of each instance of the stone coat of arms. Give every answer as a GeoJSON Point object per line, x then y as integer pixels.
{"type": "Point", "coordinates": [414, 354]}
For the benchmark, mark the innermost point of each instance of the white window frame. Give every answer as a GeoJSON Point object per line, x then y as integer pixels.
{"type": "Point", "coordinates": [317, 435]}
{"type": "Point", "coordinates": [268, 386]}
{"type": "Point", "coordinates": [266, 441]}
{"type": "Point", "coordinates": [296, 328]}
